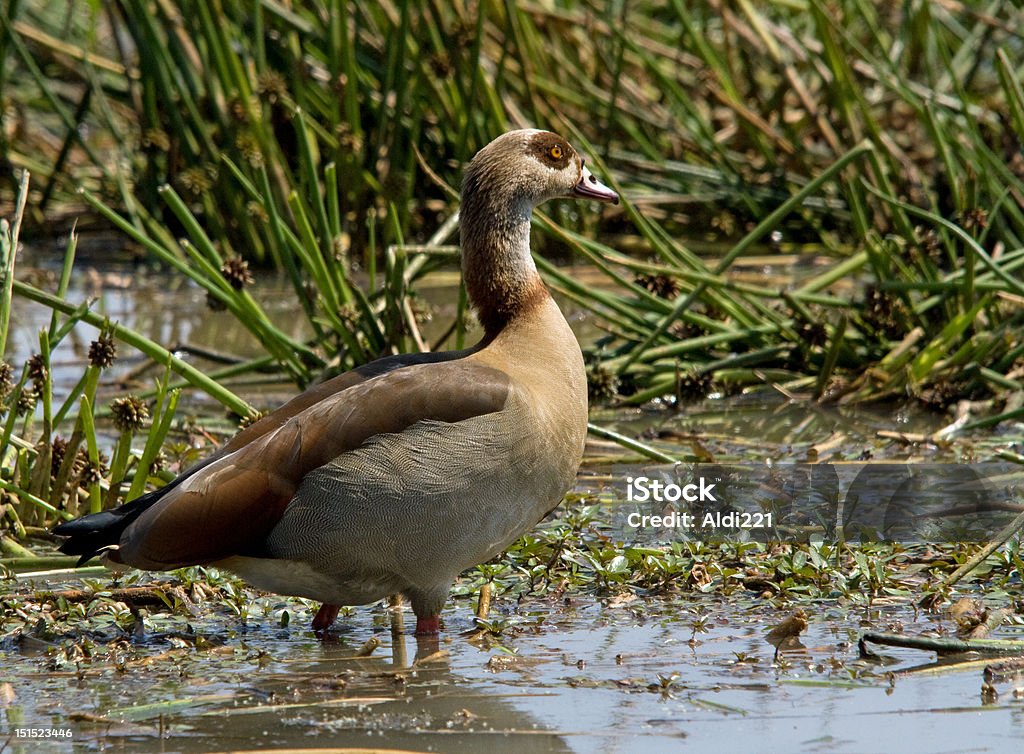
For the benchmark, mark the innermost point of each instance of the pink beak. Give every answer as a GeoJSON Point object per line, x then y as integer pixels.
{"type": "Point", "coordinates": [591, 188]}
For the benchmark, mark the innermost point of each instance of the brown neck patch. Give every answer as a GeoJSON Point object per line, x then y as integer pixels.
{"type": "Point", "coordinates": [499, 299]}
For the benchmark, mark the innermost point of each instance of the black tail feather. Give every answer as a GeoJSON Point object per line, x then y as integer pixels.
{"type": "Point", "coordinates": [93, 533]}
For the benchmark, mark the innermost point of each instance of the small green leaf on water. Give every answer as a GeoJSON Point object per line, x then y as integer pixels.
{"type": "Point", "coordinates": [146, 711]}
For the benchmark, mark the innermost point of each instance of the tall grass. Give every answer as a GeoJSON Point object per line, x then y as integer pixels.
{"type": "Point", "coordinates": [879, 143]}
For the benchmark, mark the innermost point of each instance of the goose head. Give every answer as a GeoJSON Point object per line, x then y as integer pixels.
{"type": "Point", "coordinates": [526, 167]}
{"type": "Point", "coordinates": [500, 188]}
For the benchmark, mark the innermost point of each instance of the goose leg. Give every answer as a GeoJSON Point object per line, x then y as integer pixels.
{"type": "Point", "coordinates": [428, 625]}
{"type": "Point", "coordinates": [325, 617]}
{"type": "Point", "coordinates": [427, 604]}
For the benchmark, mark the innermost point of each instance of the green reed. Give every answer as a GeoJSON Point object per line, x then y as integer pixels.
{"type": "Point", "coordinates": [878, 144]}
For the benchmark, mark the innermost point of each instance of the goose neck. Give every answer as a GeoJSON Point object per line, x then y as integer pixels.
{"type": "Point", "coordinates": [500, 275]}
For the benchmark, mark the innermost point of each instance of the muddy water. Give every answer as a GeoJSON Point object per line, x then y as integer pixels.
{"type": "Point", "coordinates": [576, 676]}
{"type": "Point", "coordinates": [633, 674]}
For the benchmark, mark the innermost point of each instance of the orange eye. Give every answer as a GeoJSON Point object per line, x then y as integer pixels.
{"type": "Point", "coordinates": [555, 152]}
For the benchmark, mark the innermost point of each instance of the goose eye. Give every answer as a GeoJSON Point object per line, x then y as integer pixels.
{"type": "Point", "coordinates": [555, 152]}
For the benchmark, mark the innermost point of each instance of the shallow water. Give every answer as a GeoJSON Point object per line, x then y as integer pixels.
{"type": "Point", "coordinates": [570, 676]}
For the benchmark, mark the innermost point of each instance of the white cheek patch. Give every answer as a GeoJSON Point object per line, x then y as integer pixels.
{"type": "Point", "coordinates": [546, 166]}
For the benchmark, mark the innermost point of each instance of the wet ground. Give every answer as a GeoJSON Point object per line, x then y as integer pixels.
{"type": "Point", "coordinates": [579, 670]}
{"type": "Point", "coordinates": [694, 673]}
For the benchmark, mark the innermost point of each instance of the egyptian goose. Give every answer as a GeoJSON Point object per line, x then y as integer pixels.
{"type": "Point", "coordinates": [399, 475]}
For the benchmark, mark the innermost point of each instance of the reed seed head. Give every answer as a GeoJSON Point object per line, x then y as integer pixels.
{"type": "Point", "coordinates": [130, 412]}
{"type": "Point", "coordinates": [975, 219]}
{"type": "Point", "coordinates": [256, 211]}
{"type": "Point", "coordinates": [103, 351]}
{"type": "Point", "coordinates": [6, 380]}
{"type": "Point", "coordinates": [271, 86]}
{"type": "Point", "coordinates": [249, 146]}
{"type": "Point", "coordinates": [236, 271]}
{"type": "Point", "coordinates": [602, 383]}
{"type": "Point", "coordinates": [58, 452]}
{"type": "Point", "coordinates": [37, 371]}
{"type": "Point", "coordinates": [27, 400]}
{"type": "Point", "coordinates": [196, 181]}
{"type": "Point", "coordinates": [93, 473]}
{"type": "Point", "coordinates": [661, 285]}
{"type": "Point", "coordinates": [694, 385]}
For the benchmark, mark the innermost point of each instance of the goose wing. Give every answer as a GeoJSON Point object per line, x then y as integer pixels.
{"type": "Point", "coordinates": [229, 503]}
